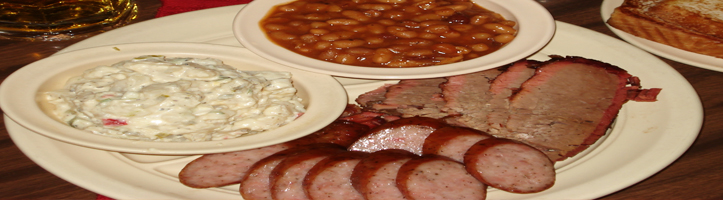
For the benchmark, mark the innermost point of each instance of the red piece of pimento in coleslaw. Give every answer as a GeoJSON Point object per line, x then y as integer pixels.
{"type": "Point", "coordinates": [114, 122]}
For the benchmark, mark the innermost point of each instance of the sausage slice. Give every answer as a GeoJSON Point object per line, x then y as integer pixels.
{"type": "Point", "coordinates": [375, 176]}
{"type": "Point", "coordinates": [510, 166]}
{"type": "Point", "coordinates": [452, 141]}
{"type": "Point", "coordinates": [331, 177]}
{"type": "Point", "coordinates": [438, 177]}
{"type": "Point", "coordinates": [215, 170]}
{"type": "Point", "coordinates": [287, 178]}
{"type": "Point", "coordinates": [255, 185]}
{"type": "Point", "coordinates": [406, 133]}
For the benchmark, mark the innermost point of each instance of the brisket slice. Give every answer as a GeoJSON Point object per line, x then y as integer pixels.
{"type": "Point", "coordinates": [636, 93]}
{"type": "Point", "coordinates": [376, 96]}
{"type": "Point", "coordinates": [466, 98]}
{"type": "Point", "coordinates": [567, 105]}
{"type": "Point", "coordinates": [502, 88]}
{"type": "Point", "coordinates": [408, 98]}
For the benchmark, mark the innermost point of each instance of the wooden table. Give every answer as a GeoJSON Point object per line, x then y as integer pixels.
{"type": "Point", "coordinates": [698, 174]}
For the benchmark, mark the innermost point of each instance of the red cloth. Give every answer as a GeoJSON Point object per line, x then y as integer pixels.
{"type": "Point", "coordinates": [101, 197]}
{"type": "Point", "coordinates": [171, 7]}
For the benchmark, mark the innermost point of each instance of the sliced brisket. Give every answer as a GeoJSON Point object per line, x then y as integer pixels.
{"type": "Point", "coordinates": [559, 106]}
{"type": "Point", "coordinates": [501, 89]}
{"type": "Point", "coordinates": [466, 98]}
{"type": "Point", "coordinates": [408, 98]}
{"type": "Point", "coordinates": [567, 105]}
{"type": "Point", "coordinates": [376, 96]}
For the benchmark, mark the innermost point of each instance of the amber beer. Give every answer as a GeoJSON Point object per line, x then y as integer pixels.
{"type": "Point", "coordinates": [51, 20]}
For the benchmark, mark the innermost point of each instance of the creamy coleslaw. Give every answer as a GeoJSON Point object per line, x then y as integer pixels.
{"type": "Point", "coordinates": [176, 99]}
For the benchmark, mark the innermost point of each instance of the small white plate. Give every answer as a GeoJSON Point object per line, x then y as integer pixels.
{"type": "Point", "coordinates": [534, 23]}
{"type": "Point", "coordinates": [687, 57]}
{"type": "Point", "coordinates": [324, 97]}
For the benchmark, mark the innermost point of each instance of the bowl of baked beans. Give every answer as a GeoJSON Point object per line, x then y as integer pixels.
{"type": "Point", "coordinates": [394, 39]}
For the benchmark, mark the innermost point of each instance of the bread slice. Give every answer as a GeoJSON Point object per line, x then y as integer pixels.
{"type": "Point", "coordinates": [691, 25]}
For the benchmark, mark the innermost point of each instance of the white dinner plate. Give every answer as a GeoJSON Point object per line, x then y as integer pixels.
{"type": "Point", "coordinates": [687, 57]}
{"type": "Point", "coordinates": [646, 137]}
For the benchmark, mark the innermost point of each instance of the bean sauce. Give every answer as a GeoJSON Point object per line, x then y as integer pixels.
{"type": "Point", "coordinates": [388, 33]}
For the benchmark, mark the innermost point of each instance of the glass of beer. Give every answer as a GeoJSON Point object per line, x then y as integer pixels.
{"type": "Point", "coordinates": [57, 20]}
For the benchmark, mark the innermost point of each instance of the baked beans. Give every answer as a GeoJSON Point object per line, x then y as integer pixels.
{"type": "Point", "coordinates": [388, 33]}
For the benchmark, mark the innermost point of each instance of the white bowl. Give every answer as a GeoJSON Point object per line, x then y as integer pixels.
{"type": "Point", "coordinates": [324, 97]}
{"type": "Point", "coordinates": [535, 27]}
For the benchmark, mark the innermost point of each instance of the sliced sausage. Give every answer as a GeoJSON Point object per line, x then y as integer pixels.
{"type": "Point", "coordinates": [452, 141]}
{"type": "Point", "coordinates": [287, 177]}
{"type": "Point", "coordinates": [406, 133]}
{"type": "Point", "coordinates": [216, 170]}
{"type": "Point", "coordinates": [438, 177]}
{"type": "Point", "coordinates": [375, 176]}
{"type": "Point", "coordinates": [255, 185]}
{"type": "Point", "coordinates": [331, 177]}
{"type": "Point", "coordinates": [510, 166]}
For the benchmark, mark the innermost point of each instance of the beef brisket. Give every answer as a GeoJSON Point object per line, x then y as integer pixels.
{"type": "Point", "coordinates": [463, 94]}
{"type": "Point", "coordinates": [567, 105]}
{"type": "Point", "coordinates": [560, 106]}
{"type": "Point", "coordinates": [408, 98]}
{"type": "Point", "coordinates": [368, 99]}
{"type": "Point", "coordinates": [502, 88]}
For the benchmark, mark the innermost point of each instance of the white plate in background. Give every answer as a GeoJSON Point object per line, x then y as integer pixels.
{"type": "Point", "coordinates": [687, 57]}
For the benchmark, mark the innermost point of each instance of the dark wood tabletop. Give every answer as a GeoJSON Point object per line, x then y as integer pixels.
{"type": "Point", "coordinates": [698, 174]}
